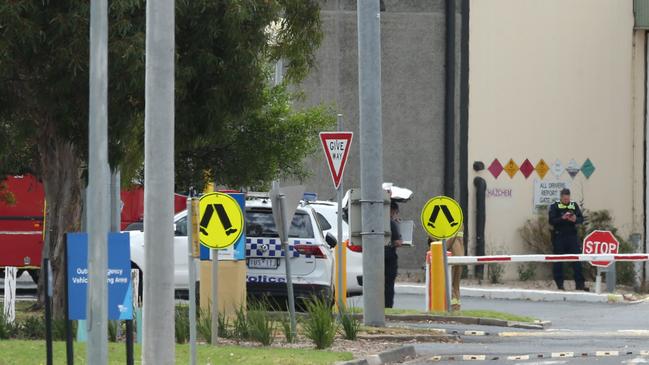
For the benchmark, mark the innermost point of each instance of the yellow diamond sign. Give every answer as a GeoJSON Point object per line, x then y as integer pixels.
{"type": "Point", "coordinates": [542, 168]}
{"type": "Point", "coordinates": [511, 168]}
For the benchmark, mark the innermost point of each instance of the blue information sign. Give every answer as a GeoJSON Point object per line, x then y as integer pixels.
{"type": "Point", "coordinates": [120, 293]}
{"type": "Point", "coordinates": [236, 251]}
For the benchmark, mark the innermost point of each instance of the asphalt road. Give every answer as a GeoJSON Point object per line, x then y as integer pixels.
{"type": "Point", "coordinates": [579, 330]}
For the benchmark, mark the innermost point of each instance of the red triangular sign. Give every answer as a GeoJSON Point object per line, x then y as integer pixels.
{"type": "Point", "coordinates": [336, 147]}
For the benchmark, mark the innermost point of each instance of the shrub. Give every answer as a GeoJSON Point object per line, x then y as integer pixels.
{"type": "Point", "coordinates": [261, 327]}
{"type": "Point", "coordinates": [285, 325]}
{"type": "Point", "coordinates": [527, 271]}
{"type": "Point", "coordinates": [224, 326]}
{"type": "Point", "coordinates": [320, 325]}
{"type": "Point", "coordinates": [241, 330]}
{"type": "Point", "coordinates": [204, 325]}
{"type": "Point", "coordinates": [350, 325]}
{"type": "Point", "coordinates": [7, 330]}
{"type": "Point", "coordinates": [112, 330]}
{"type": "Point", "coordinates": [32, 328]}
{"type": "Point", "coordinates": [182, 323]}
{"type": "Point", "coordinates": [495, 273]}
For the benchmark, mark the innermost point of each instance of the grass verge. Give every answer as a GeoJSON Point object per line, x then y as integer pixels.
{"type": "Point", "coordinates": [15, 352]}
{"type": "Point", "coordinates": [465, 313]}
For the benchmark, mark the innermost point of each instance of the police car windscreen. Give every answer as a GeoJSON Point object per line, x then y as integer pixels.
{"type": "Point", "coordinates": [261, 224]}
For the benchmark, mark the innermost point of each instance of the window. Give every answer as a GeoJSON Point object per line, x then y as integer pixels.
{"type": "Point", "coordinates": [260, 223]}
{"type": "Point", "coordinates": [181, 227]}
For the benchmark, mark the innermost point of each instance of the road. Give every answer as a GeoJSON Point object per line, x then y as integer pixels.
{"type": "Point", "coordinates": [619, 333]}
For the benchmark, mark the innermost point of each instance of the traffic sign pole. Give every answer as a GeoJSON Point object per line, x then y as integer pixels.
{"type": "Point", "coordinates": [215, 296]}
{"type": "Point", "coordinates": [192, 281]}
{"type": "Point", "coordinates": [287, 263]}
{"type": "Point", "coordinates": [341, 267]}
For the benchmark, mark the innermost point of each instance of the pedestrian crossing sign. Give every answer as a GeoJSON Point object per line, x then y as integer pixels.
{"type": "Point", "coordinates": [442, 217]}
{"type": "Point", "coordinates": [221, 220]}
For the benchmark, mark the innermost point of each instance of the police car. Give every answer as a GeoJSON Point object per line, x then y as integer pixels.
{"type": "Point", "coordinates": [310, 253]}
{"type": "Point", "coordinates": [327, 215]}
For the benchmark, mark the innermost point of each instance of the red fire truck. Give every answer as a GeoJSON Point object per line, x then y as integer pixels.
{"type": "Point", "coordinates": [21, 221]}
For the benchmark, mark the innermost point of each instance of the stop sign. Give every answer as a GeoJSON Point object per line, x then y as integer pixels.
{"type": "Point", "coordinates": [600, 242]}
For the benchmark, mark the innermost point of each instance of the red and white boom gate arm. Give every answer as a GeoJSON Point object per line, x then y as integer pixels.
{"type": "Point", "coordinates": [475, 260]}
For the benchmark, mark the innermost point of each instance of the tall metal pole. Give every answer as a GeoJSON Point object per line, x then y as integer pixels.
{"type": "Point", "coordinates": [158, 340]}
{"type": "Point", "coordinates": [369, 94]}
{"type": "Point", "coordinates": [192, 281]}
{"type": "Point", "coordinates": [285, 224]}
{"type": "Point", "coordinates": [98, 186]}
{"type": "Point", "coordinates": [340, 248]}
{"type": "Point", "coordinates": [215, 297]}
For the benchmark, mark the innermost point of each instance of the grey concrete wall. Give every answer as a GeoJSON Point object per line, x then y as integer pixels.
{"type": "Point", "coordinates": [413, 86]}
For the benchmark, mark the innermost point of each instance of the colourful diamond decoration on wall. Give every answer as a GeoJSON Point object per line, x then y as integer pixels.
{"type": "Point", "coordinates": [557, 168]}
{"type": "Point", "coordinates": [542, 168]}
{"type": "Point", "coordinates": [587, 168]}
{"type": "Point", "coordinates": [511, 168]}
{"type": "Point", "coordinates": [495, 168]}
{"type": "Point", "coordinates": [527, 168]}
{"type": "Point", "coordinates": [573, 168]}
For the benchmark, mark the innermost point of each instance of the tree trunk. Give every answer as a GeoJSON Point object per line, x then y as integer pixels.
{"type": "Point", "coordinates": [61, 173]}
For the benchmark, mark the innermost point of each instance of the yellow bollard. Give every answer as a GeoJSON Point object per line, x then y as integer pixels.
{"type": "Point", "coordinates": [437, 280]}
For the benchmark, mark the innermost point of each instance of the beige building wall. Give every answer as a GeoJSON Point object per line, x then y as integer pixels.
{"type": "Point", "coordinates": [555, 79]}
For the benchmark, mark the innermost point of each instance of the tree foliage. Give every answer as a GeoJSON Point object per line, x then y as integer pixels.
{"type": "Point", "coordinates": [230, 124]}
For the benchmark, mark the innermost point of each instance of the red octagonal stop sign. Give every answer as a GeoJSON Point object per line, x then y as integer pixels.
{"type": "Point", "coordinates": [600, 242]}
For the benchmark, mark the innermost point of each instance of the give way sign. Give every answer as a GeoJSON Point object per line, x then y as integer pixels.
{"type": "Point", "coordinates": [336, 147]}
{"type": "Point", "coordinates": [600, 242]}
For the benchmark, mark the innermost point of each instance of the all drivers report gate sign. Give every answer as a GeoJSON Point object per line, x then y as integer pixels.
{"type": "Point", "coordinates": [336, 147]}
{"type": "Point", "coordinates": [600, 242]}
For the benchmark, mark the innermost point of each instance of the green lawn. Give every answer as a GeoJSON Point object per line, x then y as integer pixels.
{"type": "Point", "coordinates": [467, 313]}
{"type": "Point", "coordinates": [15, 352]}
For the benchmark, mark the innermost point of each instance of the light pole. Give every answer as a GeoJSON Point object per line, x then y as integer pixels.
{"type": "Point", "coordinates": [158, 326]}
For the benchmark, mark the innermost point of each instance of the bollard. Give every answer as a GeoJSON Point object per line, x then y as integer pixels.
{"type": "Point", "coordinates": [436, 279]}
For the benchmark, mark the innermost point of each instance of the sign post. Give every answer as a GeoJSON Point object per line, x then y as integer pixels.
{"type": "Point", "coordinates": [221, 225]}
{"type": "Point", "coordinates": [284, 202]}
{"type": "Point", "coordinates": [600, 242]}
{"type": "Point", "coordinates": [442, 218]}
{"type": "Point", "coordinates": [336, 146]}
{"type": "Point", "coordinates": [192, 279]}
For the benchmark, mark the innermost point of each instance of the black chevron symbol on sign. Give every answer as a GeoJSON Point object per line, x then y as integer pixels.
{"type": "Point", "coordinates": [223, 216]}
{"type": "Point", "coordinates": [447, 214]}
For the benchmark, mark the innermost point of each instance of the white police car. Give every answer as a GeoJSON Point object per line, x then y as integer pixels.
{"type": "Point", "coordinates": [311, 258]}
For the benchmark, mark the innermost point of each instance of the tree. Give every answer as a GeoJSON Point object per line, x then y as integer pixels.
{"type": "Point", "coordinates": [222, 97]}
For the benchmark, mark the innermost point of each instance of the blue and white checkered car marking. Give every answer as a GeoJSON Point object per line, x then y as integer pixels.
{"type": "Point", "coordinates": [271, 247]}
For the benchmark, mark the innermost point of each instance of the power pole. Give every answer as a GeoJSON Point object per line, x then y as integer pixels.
{"type": "Point", "coordinates": [158, 326]}
{"type": "Point", "coordinates": [369, 95]}
{"type": "Point", "coordinates": [98, 186]}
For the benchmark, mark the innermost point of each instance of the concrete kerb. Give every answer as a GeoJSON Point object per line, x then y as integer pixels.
{"type": "Point", "coordinates": [520, 294]}
{"type": "Point", "coordinates": [396, 355]}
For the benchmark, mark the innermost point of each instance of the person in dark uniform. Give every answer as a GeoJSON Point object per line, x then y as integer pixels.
{"type": "Point", "coordinates": [564, 216]}
{"type": "Point", "coordinates": [391, 264]}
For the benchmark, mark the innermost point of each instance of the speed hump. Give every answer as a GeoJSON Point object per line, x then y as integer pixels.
{"type": "Point", "coordinates": [442, 217]}
{"type": "Point", "coordinates": [221, 220]}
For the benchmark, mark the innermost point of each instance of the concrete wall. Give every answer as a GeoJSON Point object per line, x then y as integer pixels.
{"type": "Point", "coordinates": [413, 48]}
{"type": "Point", "coordinates": [556, 79]}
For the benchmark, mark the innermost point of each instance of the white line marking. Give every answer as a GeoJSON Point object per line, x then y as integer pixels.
{"type": "Point", "coordinates": [518, 357]}
{"type": "Point", "coordinates": [607, 353]}
{"type": "Point", "coordinates": [474, 357]}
